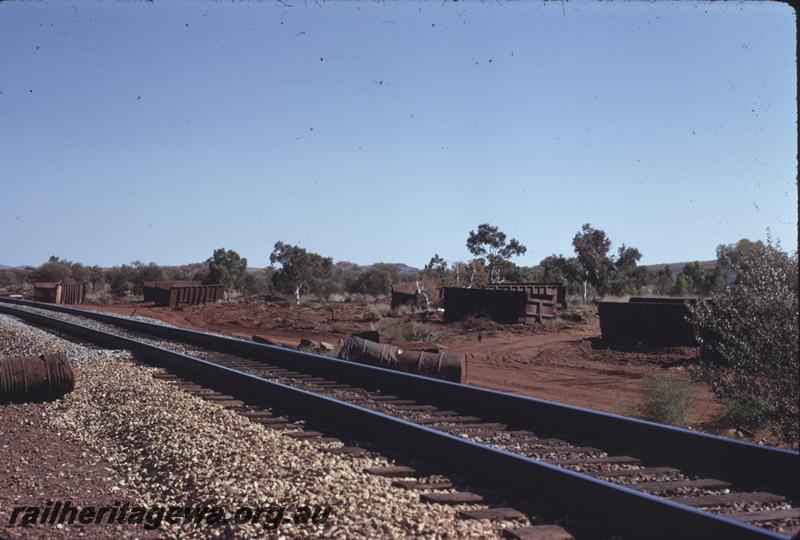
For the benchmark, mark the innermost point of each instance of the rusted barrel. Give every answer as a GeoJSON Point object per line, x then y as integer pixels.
{"type": "Point", "coordinates": [40, 377]}
{"type": "Point", "coordinates": [448, 366]}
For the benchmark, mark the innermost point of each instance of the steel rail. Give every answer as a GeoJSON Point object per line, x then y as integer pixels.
{"type": "Point", "coordinates": [751, 465]}
{"type": "Point", "coordinates": [612, 506]}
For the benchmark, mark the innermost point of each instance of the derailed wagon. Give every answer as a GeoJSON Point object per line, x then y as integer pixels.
{"type": "Point", "coordinates": [506, 303]}
{"type": "Point", "coordinates": [177, 293]}
{"type": "Point", "coordinates": [647, 323]}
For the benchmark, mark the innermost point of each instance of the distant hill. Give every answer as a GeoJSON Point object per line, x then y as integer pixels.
{"type": "Point", "coordinates": [404, 268]}
{"type": "Point", "coordinates": [400, 267]}
{"type": "Point", "coordinates": [676, 267]}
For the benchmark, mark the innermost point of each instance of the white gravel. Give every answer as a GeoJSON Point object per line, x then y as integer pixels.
{"type": "Point", "coordinates": [19, 339]}
{"type": "Point", "coordinates": [176, 448]}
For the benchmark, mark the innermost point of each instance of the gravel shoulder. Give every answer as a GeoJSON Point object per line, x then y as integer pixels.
{"type": "Point", "coordinates": [43, 463]}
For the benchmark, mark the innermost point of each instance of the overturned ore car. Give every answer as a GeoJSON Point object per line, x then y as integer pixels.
{"type": "Point", "coordinates": [647, 323]}
{"type": "Point", "coordinates": [177, 293]}
{"type": "Point", "coordinates": [59, 292]}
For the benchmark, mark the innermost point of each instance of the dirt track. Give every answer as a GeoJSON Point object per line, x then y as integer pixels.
{"type": "Point", "coordinates": [558, 363]}
{"type": "Point", "coordinates": [564, 367]}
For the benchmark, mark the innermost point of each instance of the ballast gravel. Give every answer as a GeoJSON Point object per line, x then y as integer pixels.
{"type": "Point", "coordinates": [176, 449]}
{"type": "Point", "coordinates": [169, 447]}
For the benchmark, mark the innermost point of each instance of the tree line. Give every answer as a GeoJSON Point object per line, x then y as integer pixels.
{"type": "Point", "coordinates": [593, 270]}
{"type": "Point", "coordinates": [292, 270]}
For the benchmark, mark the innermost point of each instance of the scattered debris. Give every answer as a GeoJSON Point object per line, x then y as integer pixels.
{"type": "Point", "coordinates": [319, 347]}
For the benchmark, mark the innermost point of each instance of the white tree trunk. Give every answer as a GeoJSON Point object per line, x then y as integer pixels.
{"type": "Point", "coordinates": [421, 291]}
{"type": "Point", "coordinates": [297, 293]}
{"type": "Point", "coordinates": [585, 287]}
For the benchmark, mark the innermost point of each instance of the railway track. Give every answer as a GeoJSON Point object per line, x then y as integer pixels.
{"type": "Point", "coordinates": [626, 476]}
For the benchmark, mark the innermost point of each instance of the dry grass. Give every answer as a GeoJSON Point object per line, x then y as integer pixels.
{"type": "Point", "coordinates": [667, 399]}
{"type": "Point", "coordinates": [376, 312]}
{"type": "Point", "coordinates": [391, 330]}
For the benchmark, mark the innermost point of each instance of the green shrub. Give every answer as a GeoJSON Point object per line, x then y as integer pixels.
{"type": "Point", "coordinates": [748, 412]}
{"type": "Point", "coordinates": [667, 400]}
{"type": "Point", "coordinates": [748, 335]}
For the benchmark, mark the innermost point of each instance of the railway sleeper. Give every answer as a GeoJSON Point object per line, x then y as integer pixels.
{"type": "Point", "coordinates": [304, 435]}
{"type": "Point", "coordinates": [458, 497]}
{"type": "Point", "coordinates": [421, 485]}
{"type": "Point", "coordinates": [538, 532]}
{"type": "Point", "coordinates": [444, 419]}
{"type": "Point", "coordinates": [616, 460]}
{"type": "Point", "coordinates": [393, 471]}
{"type": "Point", "coordinates": [355, 451]}
{"type": "Point", "coordinates": [499, 513]}
{"type": "Point", "coordinates": [670, 486]}
{"type": "Point", "coordinates": [729, 499]}
{"type": "Point", "coordinates": [646, 471]}
{"type": "Point", "coordinates": [766, 515]}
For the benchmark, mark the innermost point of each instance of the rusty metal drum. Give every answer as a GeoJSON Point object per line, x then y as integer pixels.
{"type": "Point", "coordinates": [42, 377]}
{"type": "Point", "coordinates": [448, 366]}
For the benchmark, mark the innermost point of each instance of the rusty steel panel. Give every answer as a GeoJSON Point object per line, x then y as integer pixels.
{"type": "Point", "coordinates": [658, 300]}
{"type": "Point", "coordinates": [45, 292]}
{"type": "Point", "coordinates": [406, 287]}
{"type": "Point", "coordinates": [648, 325]}
{"type": "Point", "coordinates": [542, 291]}
{"type": "Point", "coordinates": [536, 310]}
{"type": "Point", "coordinates": [177, 295]}
{"type": "Point", "coordinates": [401, 298]}
{"type": "Point", "coordinates": [149, 294]}
{"type": "Point", "coordinates": [507, 307]}
{"type": "Point", "coordinates": [73, 293]}
{"type": "Point", "coordinates": [152, 288]}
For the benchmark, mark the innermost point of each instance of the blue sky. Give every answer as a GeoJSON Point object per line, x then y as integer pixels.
{"type": "Point", "coordinates": [386, 131]}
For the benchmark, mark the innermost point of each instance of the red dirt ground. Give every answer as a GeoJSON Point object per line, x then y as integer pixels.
{"type": "Point", "coordinates": [557, 362]}
{"type": "Point", "coordinates": [41, 465]}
